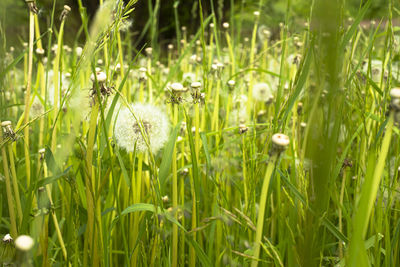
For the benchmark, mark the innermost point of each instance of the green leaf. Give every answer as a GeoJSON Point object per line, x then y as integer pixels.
{"type": "Point", "coordinates": [166, 158]}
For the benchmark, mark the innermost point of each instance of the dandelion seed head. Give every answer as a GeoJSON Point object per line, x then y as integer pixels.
{"type": "Point", "coordinates": [128, 131]}
{"type": "Point", "coordinates": [262, 92]}
{"type": "Point", "coordinates": [36, 109]}
{"type": "Point", "coordinates": [24, 242]}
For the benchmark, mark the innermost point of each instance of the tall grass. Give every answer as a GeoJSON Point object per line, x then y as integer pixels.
{"type": "Point", "coordinates": [217, 193]}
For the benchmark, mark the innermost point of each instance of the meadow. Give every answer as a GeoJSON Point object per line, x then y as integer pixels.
{"type": "Point", "coordinates": [237, 144]}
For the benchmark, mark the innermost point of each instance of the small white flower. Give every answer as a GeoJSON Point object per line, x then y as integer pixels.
{"type": "Point", "coordinates": [128, 131]}
{"type": "Point", "coordinates": [24, 242]}
{"type": "Point", "coordinates": [262, 92]}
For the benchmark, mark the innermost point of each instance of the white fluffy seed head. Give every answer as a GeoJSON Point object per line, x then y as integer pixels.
{"type": "Point", "coordinates": [24, 242]}
{"type": "Point", "coordinates": [225, 25]}
{"type": "Point", "coordinates": [101, 77]}
{"type": "Point", "coordinates": [256, 13]}
{"type": "Point", "coordinates": [280, 140]}
{"type": "Point", "coordinates": [262, 92]}
{"type": "Point", "coordinates": [128, 131]}
{"type": "Point", "coordinates": [395, 93]}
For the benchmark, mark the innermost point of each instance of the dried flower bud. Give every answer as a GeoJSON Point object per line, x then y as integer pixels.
{"type": "Point", "coordinates": [243, 128]}
{"type": "Point", "coordinates": [280, 142]}
{"type": "Point", "coordinates": [101, 77]}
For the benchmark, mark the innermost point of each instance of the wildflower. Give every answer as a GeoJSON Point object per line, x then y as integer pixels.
{"type": "Point", "coordinates": [262, 92]}
{"type": "Point", "coordinates": [154, 123]}
{"type": "Point", "coordinates": [24, 242]}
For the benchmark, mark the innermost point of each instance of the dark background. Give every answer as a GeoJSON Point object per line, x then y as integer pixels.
{"type": "Point", "coordinates": [14, 16]}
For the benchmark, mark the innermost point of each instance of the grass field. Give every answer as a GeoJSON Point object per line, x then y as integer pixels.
{"type": "Point", "coordinates": [235, 145]}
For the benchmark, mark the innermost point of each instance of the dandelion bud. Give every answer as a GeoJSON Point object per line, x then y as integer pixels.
{"type": "Point", "coordinates": [41, 153]}
{"type": "Point", "coordinates": [243, 128]}
{"type": "Point", "coordinates": [149, 51]}
{"type": "Point", "coordinates": [231, 84]}
{"type": "Point", "coordinates": [101, 77]}
{"type": "Point", "coordinates": [39, 51]}
{"type": "Point", "coordinates": [165, 199]}
{"type": "Point", "coordinates": [8, 131]}
{"type": "Point", "coordinates": [185, 171]}
{"type": "Point", "coordinates": [65, 12]}
{"type": "Point", "coordinates": [195, 85]}
{"type": "Point", "coordinates": [177, 88]}
{"type": "Point", "coordinates": [280, 142]}
{"type": "Point", "coordinates": [78, 51]}
{"type": "Point", "coordinates": [8, 250]}
{"type": "Point", "coordinates": [7, 238]}
{"type": "Point", "coordinates": [24, 243]}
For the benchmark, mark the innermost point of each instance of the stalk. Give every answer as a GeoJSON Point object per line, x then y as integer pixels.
{"type": "Point", "coordinates": [91, 187]}
{"type": "Point", "coordinates": [53, 214]}
{"type": "Point", "coordinates": [15, 183]}
{"type": "Point", "coordinates": [175, 196]}
{"type": "Point", "coordinates": [32, 11]}
{"type": "Point", "coordinates": [261, 211]}
{"type": "Point", "coordinates": [10, 199]}
{"type": "Point", "coordinates": [56, 69]}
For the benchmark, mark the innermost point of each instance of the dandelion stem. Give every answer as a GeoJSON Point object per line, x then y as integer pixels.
{"type": "Point", "coordinates": [10, 199]}
{"type": "Point", "coordinates": [261, 210]}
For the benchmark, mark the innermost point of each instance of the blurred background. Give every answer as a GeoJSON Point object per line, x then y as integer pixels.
{"type": "Point", "coordinates": [14, 16]}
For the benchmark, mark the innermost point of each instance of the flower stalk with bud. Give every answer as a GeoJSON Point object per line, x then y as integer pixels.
{"type": "Point", "coordinates": [279, 144]}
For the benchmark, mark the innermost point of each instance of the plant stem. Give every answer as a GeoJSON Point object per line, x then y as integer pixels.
{"type": "Point", "coordinates": [261, 210]}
